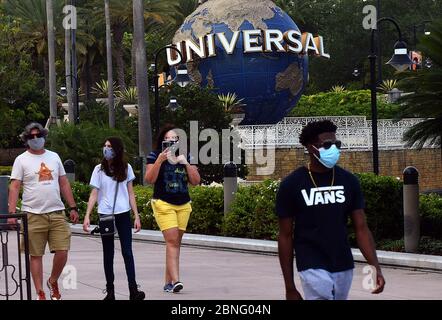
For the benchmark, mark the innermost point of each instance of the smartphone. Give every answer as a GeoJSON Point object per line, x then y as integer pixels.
{"type": "Point", "coordinates": [172, 145]}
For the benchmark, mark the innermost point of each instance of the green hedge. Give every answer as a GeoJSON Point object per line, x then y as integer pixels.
{"type": "Point", "coordinates": [252, 214]}
{"type": "Point", "coordinates": [383, 202]}
{"type": "Point", "coordinates": [5, 171]}
{"type": "Point", "coordinates": [431, 215]}
{"type": "Point", "coordinates": [347, 103]}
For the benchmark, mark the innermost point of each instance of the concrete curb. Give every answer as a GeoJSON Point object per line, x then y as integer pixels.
{"type": "Point", "coordinates": [397, 259]}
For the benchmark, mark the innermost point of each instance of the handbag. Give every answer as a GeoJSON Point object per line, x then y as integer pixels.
{"type": "Point", "coordinates": [107, 222]}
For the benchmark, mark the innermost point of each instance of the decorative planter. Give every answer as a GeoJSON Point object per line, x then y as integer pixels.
{"type": "Point", "coordinates": [65, 106]}
{"type": "Point", "coordinates": [102, 100]}
{"type": "Point", "coordinates": [132, 109]}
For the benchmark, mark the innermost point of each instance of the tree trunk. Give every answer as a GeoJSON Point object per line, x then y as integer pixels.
{"type": "Point", "coordinates": [68, 70]}
{"type": "Point", "coordinates": [110, 78]}
{"type": "Point", "coordinates": [88, 77]}
{"type": "Point", "coordinates": [144, 124]}
{"type": "Point", "coordinates": [46, 73]}
{"type": "Point", "coordinates": [118, 32]}
{"type": "Point", "coordinates": [51, 62]}
{"type": "Point", "coordinates": [133, 61]}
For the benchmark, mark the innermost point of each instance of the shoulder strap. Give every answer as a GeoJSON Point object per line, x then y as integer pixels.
{"type": "Point", "coordinates": [115, 198]}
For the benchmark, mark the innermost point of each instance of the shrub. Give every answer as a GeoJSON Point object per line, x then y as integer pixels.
{"type": "Point", "coordinates": [383, 205]}
{"type": "Point", "coordinates": [208, 210]}
{"type": "Point", "coordinates": [431, 215]}
{"type": "Point", "coordinates": [5, 171]}
{"type": "Point", "coordinates": [143, 195]}
{"type": "Point", "coordinates": [345, 103]}
{"type": "Point", "coordinates": [82, 143]}
{"type": "Point", "coordinates": [81, 194]}
{"type": "Point", "coordinates": [427, 245]}
{"type": "Point", "coordinates": [252, 213]}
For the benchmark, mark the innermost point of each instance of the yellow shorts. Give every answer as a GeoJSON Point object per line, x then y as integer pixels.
{"type": "Point", "coordinates": [170, 216]}
{"type": "Point", "coordinates": [51, 228]}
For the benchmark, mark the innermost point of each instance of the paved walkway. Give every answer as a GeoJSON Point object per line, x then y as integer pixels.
{"type": "Point", "coordinates": [213, 274]}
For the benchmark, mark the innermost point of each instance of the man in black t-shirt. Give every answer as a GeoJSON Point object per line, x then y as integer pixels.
{"type": "Point", "coordinates": [319, 198]}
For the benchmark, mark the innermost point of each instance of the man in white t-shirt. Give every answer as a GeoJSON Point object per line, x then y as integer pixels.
{"type": "Point", "coordinates": [42, 176]}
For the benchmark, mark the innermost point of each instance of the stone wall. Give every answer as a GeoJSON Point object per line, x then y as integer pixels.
{"type": "Point", "coordinates": [391, 163]}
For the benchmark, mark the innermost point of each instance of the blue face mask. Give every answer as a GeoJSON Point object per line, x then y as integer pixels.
{"type": "Point", "coordinates": [108, 153]}
{"type": "Point", "coordinates": [36, 144]}
{"type": "Point", "coordinates": [328, 157]}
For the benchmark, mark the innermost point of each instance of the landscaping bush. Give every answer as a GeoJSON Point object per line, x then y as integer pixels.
{"type": "Point", "coordinates": [383, 205]}
{"type": "Point", "coordinates": [427, 245]}
{"type": "Point", "coordinates": [208, 210]}
{"type": "Point", "coordinates": [83, 144]}
{"type": "Point", "coordinates": [252, 214]}
{"type": "Point", "coordinates": [81, 194]}
{"type": "Point", "coordinates": [431, 215]}
{"type": "Point", "coordinates": [346, 103]}
{"type": "Point", "coordinates": [5, 171]}
{"type": "Point", "coordinates": [143, 195]}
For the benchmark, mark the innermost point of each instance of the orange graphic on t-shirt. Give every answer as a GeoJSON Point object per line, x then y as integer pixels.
{"type": "Point", "coordinates": [45, 174]}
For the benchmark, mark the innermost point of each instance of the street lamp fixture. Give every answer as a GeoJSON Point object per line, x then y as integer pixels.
{"type": "Point", "coordinates": [182, 79]}
{"type": "Point", "coordinates": [356, 72]}
{"type": "Point", "coordinates": [173, 104]}
{"type": "Point", "coordinates": [428, 63]}
{"type": "Point", "coordinates": [400, 61]}
{"type": "Point", "coordinates": [182, 76]}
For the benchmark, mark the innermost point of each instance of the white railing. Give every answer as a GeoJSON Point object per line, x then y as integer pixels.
{"type": "Point", "coordinates": [354, 132]}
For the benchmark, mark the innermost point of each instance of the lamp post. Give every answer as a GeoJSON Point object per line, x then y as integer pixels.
{"type": "Point", "coordinates": [415, 27]}
{"type": "Point", "coordinates": [359, 72]}
{"type": "Point", "coordinates": [75, 97]}
{"type": "Point", "coordinates": [74, 83]}
{"type": "Point", "coordinates": [400, 61]}
{"type": "Point", "coordinates": [182, 79]}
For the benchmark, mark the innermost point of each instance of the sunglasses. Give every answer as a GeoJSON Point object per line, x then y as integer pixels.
{"type": "Point", "coordinates": [33, 136]}
{"type": "Point", "coordinates": [327, 144]}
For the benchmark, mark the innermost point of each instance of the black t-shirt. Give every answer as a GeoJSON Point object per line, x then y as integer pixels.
{"type": "Point", "coordinates": [321, 215]}
{"type": "Point", "coordinates": [172, 182]}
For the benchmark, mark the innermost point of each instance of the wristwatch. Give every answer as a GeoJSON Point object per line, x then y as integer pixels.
{"type": "Point", "coordinates": [73, 208]}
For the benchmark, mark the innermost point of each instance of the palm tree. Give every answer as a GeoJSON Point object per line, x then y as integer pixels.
{"type": "Point", "coordinates": [68, 70]}
{"type": "Point", "coordinates": [110, 78]}
{"type": "Point", "coordinates": [144, 124]}
{"type": "Point", "coordinates": [31, 16]}
{"type": "Point", "coordinates": [33, 24]}
{"type": "Point", "coordinates": [51, 62]}
{"type": "Point", "coordinates": [426, 99]}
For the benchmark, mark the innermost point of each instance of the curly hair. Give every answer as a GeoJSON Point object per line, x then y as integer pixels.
{"type": "Point", "coordinates": [311, 131]}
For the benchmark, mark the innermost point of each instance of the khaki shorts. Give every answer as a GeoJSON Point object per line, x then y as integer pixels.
{"type": "Point", "coordinates": [51, 228]}
{"type": "Point", "coordinates": [170, 216]}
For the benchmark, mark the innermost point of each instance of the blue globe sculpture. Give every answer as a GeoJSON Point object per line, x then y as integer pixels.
{"type": "Point", "coordinates": [271, 84]}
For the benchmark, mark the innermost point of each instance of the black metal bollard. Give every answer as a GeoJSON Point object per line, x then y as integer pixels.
{"type": "Point", "coordinates": [230, 184]}
{"type": "Point", "coordinates": [4, 184]}
{"type": "Point", "coordinates": [69, 167]}
{"type": "Point", "coordinates": [411, 209]}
